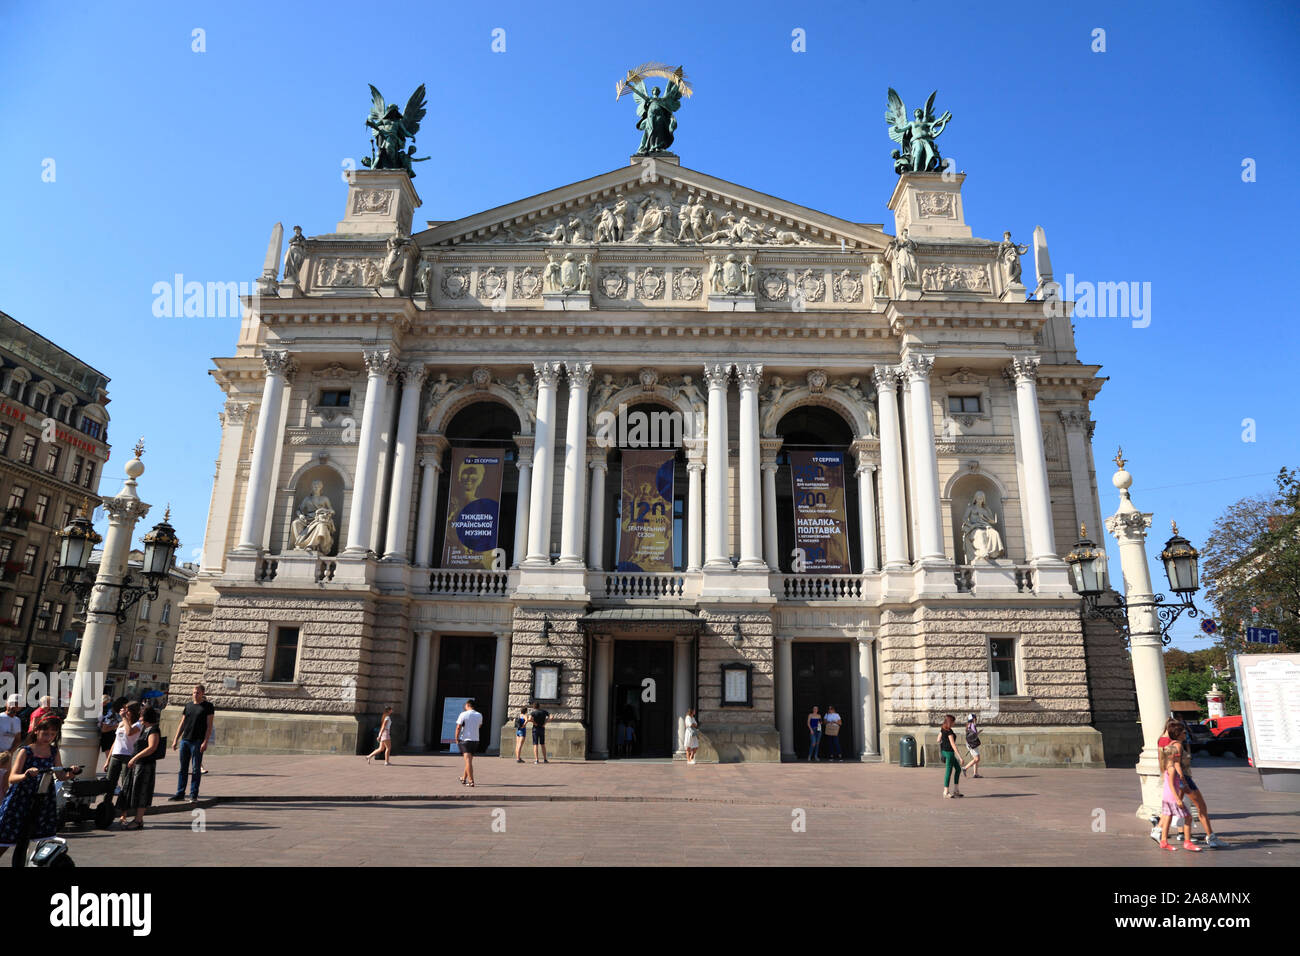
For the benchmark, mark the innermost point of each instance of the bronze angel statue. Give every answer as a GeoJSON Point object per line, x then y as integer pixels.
{"type": "Point", "coordinates": [654, 113]}
{"type": "Point", "coordinates": [917, 135]}
{"type": "Point", "coordinates": [388, 147]}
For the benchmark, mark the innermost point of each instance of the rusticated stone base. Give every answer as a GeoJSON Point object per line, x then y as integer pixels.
{"type": "Point", "coordinates": [744, 744]}
{"type": "Point", "coordinates": [1009, 746]}
{"type": "Point", "coordinates": [267, 732]}
{"type": "Point", "coordinates": [565, 740]}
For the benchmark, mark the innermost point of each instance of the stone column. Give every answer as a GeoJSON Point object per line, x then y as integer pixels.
{"type": "Point", "coordinates": [784, 666]}
{"type": "Point", "coordinates": [575, 466]}
{"type": "Point", "coordinates": [419, 728]}
{"type": "Point", "coordinates": [1024, 373]}
{"type": "Point", "coordinates": [539, 520]}
{"type": "Point", "coordinates": [867, 694]}
{"type": "Point", "coordinates": [363, 486]}
{"type": "Point", "coordinates": [867, 511]}
{"type": "Point", "coordinates": [926, 468]}
{"type": "Point", "coordinates": [682, 687]}
{"type": "Point", "coordinates": [751, 516]}
{"type": "Point", "coordinates": [596, 523]}
{"type": "Point", "coordinates": [399, 509]}
{"type": "Point", "coordinates": [279, 369]}
{"type": "Point", "coordinates": [216, 543]}
{"type": "Point", "coordinates": [891, 468]}
{"type": "Point", "coordinates": [523, 498]}
{"type": "Point", "coordinates": [771, 549]}
{"type": "Point", "coordinates": [385, 440]}
{"type": "Point", "coordinates": [1129, 526]}
{"type": "Point", "coordinates": [430, 469]}
{"type": "Point", "coordinates": [500, 691]}
{"type": "Point", "coordinates": [695, 504]}
{"type": "Point", "coordinates": [602, 672]}
{"type": "Point", "coordinates": [1078, 435]}
{"type": "Point", "coordinates": [717, 547]}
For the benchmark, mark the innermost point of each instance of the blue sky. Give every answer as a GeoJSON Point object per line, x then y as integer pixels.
{"type": "Point", "coordinates": [168, 160]}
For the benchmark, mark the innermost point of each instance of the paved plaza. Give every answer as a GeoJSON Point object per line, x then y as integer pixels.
{"type": "Point", "coordinates": [337, 811]}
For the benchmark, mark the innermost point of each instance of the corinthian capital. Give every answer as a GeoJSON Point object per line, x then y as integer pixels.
{"type": "Point", "coordinates": [125, 508]}
{"type": "Point", "coordinates": [579, 374]}
{"type": "Point", "coordinates": [885, 377]}
{"type": "Point", "coordinates": [917, 367]}
{"type": "Point", "coordinates": [1022, 369]}
{"type": "Point", "coordinates": [413, 376]}
{"type": "Point", "coordinates": [1074, 420]}
{"type": "Point", "coordinates": [377, 361]}
{"type": "Point", "coordinates": [717, 374]}
{"type": "Point", "coordinates": [750, 375]}
{"type": "Point", "coordinates": [236, 412]}
{"type": "Point", "coordinates": [278, 362]}
{"type": "Point", "coordinates": [546, 373]}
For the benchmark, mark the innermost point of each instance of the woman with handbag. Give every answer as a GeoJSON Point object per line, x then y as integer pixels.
{"type": "Point", "coordinates": [141, 771]}
{"type": "Point", "coordinates": [833, 723]}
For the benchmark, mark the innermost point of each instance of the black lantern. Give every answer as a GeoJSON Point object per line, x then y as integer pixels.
{"type": "Point", "coordinates": [160, 546]}
{"type": "Point", "coordinates": [1180, 564]}
{"type": "Point", "coordinates": [78, 540]}
{"type": "Point", "coordinates": [1087, 566]}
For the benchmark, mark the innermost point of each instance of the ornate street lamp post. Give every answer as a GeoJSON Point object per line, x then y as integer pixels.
{"type": "Point", "coordinates": [108, 597]}
{"type": "Point", "coordinates": [1146, 617]}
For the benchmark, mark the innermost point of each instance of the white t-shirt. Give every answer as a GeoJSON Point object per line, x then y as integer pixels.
{"type": "Point", "coordinates": [10, 728]}
{"type": "Point", "coordinates": [832, 718]}
{"type": "Point", "coordinates": [124, 743]}
{"type": "Point", "coordinates": [470, 720]}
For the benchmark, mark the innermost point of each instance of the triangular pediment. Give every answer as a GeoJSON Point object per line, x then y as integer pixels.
{"type": "Point", "coordinates": [657, 204]}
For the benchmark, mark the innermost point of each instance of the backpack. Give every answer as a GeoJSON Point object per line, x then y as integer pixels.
{"type": "Point", "coordinates": [972, 736]}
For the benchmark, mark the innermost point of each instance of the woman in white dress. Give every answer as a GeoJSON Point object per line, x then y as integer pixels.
{"type": "Point", "coordinates": [692, 741]}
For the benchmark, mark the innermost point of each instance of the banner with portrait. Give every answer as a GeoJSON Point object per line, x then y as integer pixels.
{"type": "Point", "coordinates": [646, 521]}
{"type": "Point", "coordinates": [821, 526]}
{"type": "Point", "coordinates": [473, 507]}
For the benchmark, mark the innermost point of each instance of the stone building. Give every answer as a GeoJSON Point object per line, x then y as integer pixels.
{"type": "Point", "coordinates": [649, 441]}
{"type": "Point", "coordinates": [53, 445]}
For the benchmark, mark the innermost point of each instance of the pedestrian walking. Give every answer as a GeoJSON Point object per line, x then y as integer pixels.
{"type": "Point", "coordinates": [1191, 789]}
{"type": "Point", "coordinates": [385, 738]}
{"type": "Point", "coordinates": [538, 718]}
{"type": "Point", "coordinates": [141, 772]}
{"type": "Point", "coordinates": [123, 748]}
{"type": "Point", "coordinates": [467, 725]}
{"type": "Point", "coordinates": [691, 741]}
{"type": "Point", "coordinates": [629, 736]}
{"type": "Point", "coordinates": [28, 811]}
{"type": "Point", "coordinates": [1173, 812]}
{"type": "Point", "coordinates": [521, 734]}
{"type": "Point", "coordinates": [973, 745]}
{"type": "Point", "coordinates": [832, 725]}
{"type": "Point", "coordinates": [814, 732]}
{"type": "Point", "coordinates": [951, 765]}
{"type": "Point", "coordinates": [11, 725]}
{"type": "Point", "coordinates": [192, 737]}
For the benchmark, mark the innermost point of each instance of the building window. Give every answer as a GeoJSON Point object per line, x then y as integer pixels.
{"type": "Point", "coordinates": [90, 475]}
{"type": "Point", "coordinates": [77, 464]}
{"type": "Point", "coordinates": [20, 604]}
{"type": "Point", "coordinates": [6, 549]}
{"type": "Point", "coordinates": [41, 402]}
{"type": "Point", "coordinates": [45, 615]}
{"type": "Point", "coordinates": [5, 434]}
{"type": "Point", "coordinates": [737, 685]}
{"type": "Point", "coordinates": [546, 681]}
{"type": "Point", "coordinates": [158, 653]}
{"type": "Point", "coordinates": [137, 652]}
{"type": "Point", "coordinates": [56, 619]}
{"type": "Point", "coordinates": [28, 451]}
{"type": "Point", "coordinates": [42, 509]}
{"type": "Point", "coordinates": [145, 606]}
{"type": "Point", "coordinates": [16, 383]}
{"type": "Point", "coordinates": [52, 461]}
{"type": "Point", "coordinates": [29, 559]}
{"type": "Point", "coordinates": [65, 518]}
{"type": "Point", "coordinates": [335, 398]}
{"type": "Point", "coordinates": [964, 404]}
{"type": "Point", "coordinates": [284, 660]}
{"type": "Point", "coordinates": [91, 427]}
{"type": "Point", "coordinates": [17, 495]}
{"type": "Point", "coordinates": [1002, 662]}
{"type": "Point", "coordinates": [166, 617]}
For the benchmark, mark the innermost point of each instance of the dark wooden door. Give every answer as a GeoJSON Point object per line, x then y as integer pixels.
{"type": "Point", "coordinates": [653, 723]}
{"type": "Point", "coordinates": [822, 677]}
{"type": "Point", "coordinates": [466, 668]}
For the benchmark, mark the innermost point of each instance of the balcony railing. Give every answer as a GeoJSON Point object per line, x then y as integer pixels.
{"type": "Point", "coordinates": [964, 577]}
{"type": "Point", "coordinates": [480, 582]}
{"type": "Point", "coordinates": [819, 587]}
{"type": "Point", "coordinates": [15, 519]}
{"type": "Point", "coordinates": [648, 585]}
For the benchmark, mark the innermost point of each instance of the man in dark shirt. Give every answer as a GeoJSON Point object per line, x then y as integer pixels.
{"type": "Point", "coordinates": [192, 737]}
{"type": "Point", "coordinates": [538, 717]}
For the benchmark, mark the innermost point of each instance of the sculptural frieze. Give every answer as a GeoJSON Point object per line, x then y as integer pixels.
{"type": "Point", "coordinates": [613, 283]}
{"type": "Point", "coordinates": [650, 283]}
{"type": "Point", "coordinates": [947, 277]}
{"type": "Point", "coordinates": [687, 283]}
{"type": "Point", "coordinates": [936, 205]}
{"type": "Point", "coordinates": [455, 282]}
{"type": "Point", "coordinates": [340, 272]}
{"type": "Point", "coordinates": [774, 286]}
{"type": "Point", "coordinates": [846, 286]}
{"type": "Point", "coordinates": [491, 283]}
{"type": "Point", "coordinates": [528, 283]}
{"type": "Point", "coordinates": [377, 202]}
{"type": "Point", "coordinates": [811, 284]}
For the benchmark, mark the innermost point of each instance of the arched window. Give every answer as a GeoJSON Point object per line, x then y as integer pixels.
{"type": "Point", "coordinates": [818, 429]}
{"type": "Point", "coordinates": [483, 425]}
{"type": "Point", "coordinates": [658, 430]}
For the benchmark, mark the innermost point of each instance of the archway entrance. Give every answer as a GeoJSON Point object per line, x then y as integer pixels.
{"type": "Point", "coordinates": [818, 429]}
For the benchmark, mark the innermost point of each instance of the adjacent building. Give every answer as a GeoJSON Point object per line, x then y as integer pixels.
{"type": "Point", "coordinates": [53, 445]}
{"type": "Point", "coordinates": [650, 441]}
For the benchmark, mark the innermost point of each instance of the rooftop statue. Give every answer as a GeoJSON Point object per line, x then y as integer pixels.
{"type": "Point", "coordinates": [654, 113]}
{"type": "Point", "coordinates": [916, 136]}
{"type": "Point", "coordinates": [388, 148]}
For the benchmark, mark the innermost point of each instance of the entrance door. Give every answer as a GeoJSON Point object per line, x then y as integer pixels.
{"type": "Point", "coordinates": [652, 724]}
{"type": "Point", "coordinates": [822, 677]}
{"type": "Point", "coordinates": [466, 668]}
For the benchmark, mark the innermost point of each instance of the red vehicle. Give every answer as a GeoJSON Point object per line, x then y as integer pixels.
{"type": "Point", "coordinates": [1218, 725]}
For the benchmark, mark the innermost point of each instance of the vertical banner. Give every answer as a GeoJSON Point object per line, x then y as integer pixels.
{"type": "Point", "coordinates": [820, 522]}
{"type": "Point", "coordinates": [473, 507]}
{"type": "Point", "coordinates": [646, 521]}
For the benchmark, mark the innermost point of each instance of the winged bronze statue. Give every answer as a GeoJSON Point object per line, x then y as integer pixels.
{"type": "Point", "coordinates": [654, 113]}
{"type": "Point", "coordinates": [391, 130]}
{"type": "Point", "coordinates": [916, 136]}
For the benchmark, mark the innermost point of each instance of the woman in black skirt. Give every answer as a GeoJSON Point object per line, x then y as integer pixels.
{"type": "Point", "coordinates": [138, 781]}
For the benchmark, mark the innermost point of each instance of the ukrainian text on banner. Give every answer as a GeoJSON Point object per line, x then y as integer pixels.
{"type": "Point", "coordinates": [473, 507]}
{"type": "Point", "coordinates": [820, 522]}
{"type": "Point", "coordinates": [646, 521]}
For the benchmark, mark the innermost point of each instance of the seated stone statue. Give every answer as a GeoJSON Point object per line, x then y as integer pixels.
{"type": "Point", "coordinates": [313, 527]}
{"type": "Point", "coordinates": [979, 536]}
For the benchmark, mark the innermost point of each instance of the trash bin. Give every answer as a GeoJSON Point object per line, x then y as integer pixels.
{"type": "Point", "coordinates": [907, 751]}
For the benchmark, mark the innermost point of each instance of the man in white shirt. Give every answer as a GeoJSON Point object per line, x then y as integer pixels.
{"type": "Point", "coordinates": [11, 725]}
{"type": "Point", "coordinates": [467, 727]}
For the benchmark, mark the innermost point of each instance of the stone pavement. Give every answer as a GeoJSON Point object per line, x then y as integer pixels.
{"type": "Point", "coordinates": [336, 810]}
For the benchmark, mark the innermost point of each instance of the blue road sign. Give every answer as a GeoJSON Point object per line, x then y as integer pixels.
{"type": "Point", "coordinates": [1261, 635]}
{"type": "Point", "coordinates": [1208, 625]}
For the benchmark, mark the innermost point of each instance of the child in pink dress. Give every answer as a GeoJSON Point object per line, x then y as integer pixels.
{"type": "Point", "coordinates": [1172, 808]}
